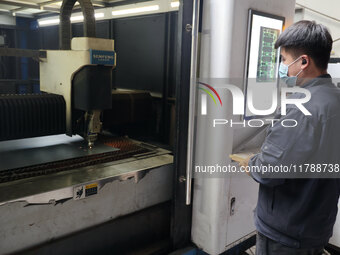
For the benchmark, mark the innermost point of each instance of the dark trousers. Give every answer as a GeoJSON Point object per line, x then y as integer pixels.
{"type": "Point", "coordinates": [266, 246]}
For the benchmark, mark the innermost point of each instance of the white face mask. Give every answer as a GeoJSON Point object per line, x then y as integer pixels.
{"type": "Point", "coordinates": [283, 73]}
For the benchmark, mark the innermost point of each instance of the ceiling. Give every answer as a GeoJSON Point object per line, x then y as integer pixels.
{"type": "Point", "coordinates": [38, 8]}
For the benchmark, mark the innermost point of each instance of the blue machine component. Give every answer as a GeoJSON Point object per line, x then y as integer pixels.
{"type": "Point", "coordinates": [22, 89]}
{"type": "Point", "coordinates": [21, 23]}
{"type": "Point", "coordinates": [36, 88]}
{"type": "Point", "coordinates": [101, 57]}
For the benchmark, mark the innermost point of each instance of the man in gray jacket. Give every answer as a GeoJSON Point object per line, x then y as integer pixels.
{"type": "Point", "coordinates": [297, 215]}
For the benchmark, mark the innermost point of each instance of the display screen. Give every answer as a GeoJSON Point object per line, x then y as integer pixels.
{"type": "Point", "coordinates": [262, 59]}
{"type": "Point", "coordinates": [266, 63]}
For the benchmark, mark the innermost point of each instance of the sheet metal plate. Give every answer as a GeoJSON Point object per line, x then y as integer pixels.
{"type": "Point", "coordinates": [41, 150]}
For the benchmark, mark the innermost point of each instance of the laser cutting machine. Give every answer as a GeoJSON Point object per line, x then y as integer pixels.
{"type": "Point", "coordinates": [83, 77]}
{"type": "Point", "coordinates": [53, 185]}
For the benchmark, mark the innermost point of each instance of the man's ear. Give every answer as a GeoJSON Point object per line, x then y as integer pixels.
{"type": "Point", "coordinates": [305, 61]}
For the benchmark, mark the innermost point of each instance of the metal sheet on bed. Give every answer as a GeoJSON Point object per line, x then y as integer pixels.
{"type": "Point", "coordinates": [40, 150]}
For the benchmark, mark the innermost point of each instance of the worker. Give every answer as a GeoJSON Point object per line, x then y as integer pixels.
{"type": "Point", "coordinates": [297, 215]}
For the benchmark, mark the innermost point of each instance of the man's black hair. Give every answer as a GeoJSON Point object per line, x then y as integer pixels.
{"type": "Point", "coordinates": [307, 37]}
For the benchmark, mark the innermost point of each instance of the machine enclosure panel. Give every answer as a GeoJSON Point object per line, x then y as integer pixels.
{"type": "Point", "coordinates": [92, 88]}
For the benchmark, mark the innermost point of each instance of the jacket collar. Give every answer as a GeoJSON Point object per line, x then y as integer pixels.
{"type": "Point", "coordinates": [320, 80]}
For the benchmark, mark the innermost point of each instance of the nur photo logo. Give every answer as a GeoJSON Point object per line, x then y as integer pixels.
{"type": "Point", "coordinates": [208, 90]}
{"type": "Point", "coordinates": [239, 100]}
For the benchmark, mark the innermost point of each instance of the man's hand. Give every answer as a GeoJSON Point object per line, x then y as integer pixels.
{"type": "Point", "coordinates": [242, 159]}
{"type": "Point", "coordinates": [245, 163]}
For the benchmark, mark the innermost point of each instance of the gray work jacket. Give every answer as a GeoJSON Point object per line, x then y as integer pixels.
{"type": "Point", "coordinates": [301, 212]}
